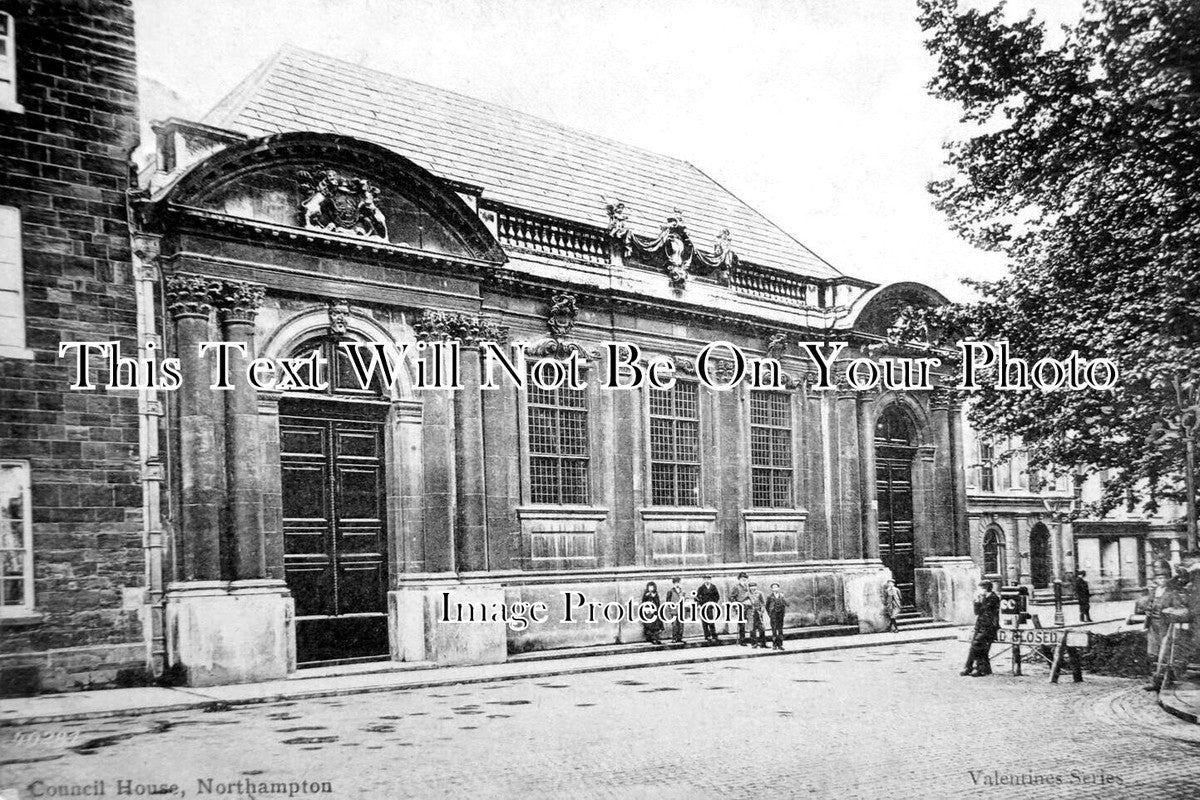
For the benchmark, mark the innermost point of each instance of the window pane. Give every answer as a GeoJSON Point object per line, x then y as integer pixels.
{"type": "Point", "coordinates": [771, 449]}
{"type": "Point", "coordinates": [675, 445]}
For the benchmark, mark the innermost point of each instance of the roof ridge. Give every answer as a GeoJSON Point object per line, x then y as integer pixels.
{"type": "Point", "coordinates": [236, 99]}
{"type": "Point", "coordinates": [779, 228]}
{"type": "Point", "coordinates": [296, 49]}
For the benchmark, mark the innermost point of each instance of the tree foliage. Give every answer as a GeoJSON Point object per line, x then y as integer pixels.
{"type": "Point", "coordinates": [1084, 170]}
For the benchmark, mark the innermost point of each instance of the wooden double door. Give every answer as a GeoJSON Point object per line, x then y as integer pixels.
{"type": "Point", "coordinates": [334, 535]}
{"type": "Point", "coordinates": [894, 491]}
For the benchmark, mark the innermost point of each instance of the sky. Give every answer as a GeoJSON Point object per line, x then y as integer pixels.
{"type": "Point", "coordinates": [812, 111]}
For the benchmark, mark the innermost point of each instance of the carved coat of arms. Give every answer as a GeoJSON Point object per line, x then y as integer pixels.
{"type": "Point", "coordinates": [332, 202]}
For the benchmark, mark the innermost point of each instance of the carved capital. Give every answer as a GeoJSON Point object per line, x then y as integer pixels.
{"type": "Point", "coordinates": [439, 326]}
{"type": "Point", "coordinates": [239, 301]}
{"type": "Point", "coordinates": [191, 295]}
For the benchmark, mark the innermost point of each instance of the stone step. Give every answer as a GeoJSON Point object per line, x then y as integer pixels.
{"type": "Point", "coordinates": [813, 632]}
{"type": "Point", "coordinates": [931, 625]}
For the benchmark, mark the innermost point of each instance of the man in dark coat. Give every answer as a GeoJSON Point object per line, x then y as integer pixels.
{"type": "Point", "coordinates": [776, 608]}
{"type": "Point", "coordinates": [987, 622]}
{"type": "Point", "coordinates": [741, 596]}
{"type": "Point", "coordinates": [1083, 594]}
{"type": "Point", "coordinates": [708, 595]}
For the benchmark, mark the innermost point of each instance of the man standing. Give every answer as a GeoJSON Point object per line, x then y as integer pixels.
{"type": "Point", "coordinates": [675, 595]}
{"type": "Point", "coordinates": [741, 596]}
{"type": "Point", "coordinates": [1164, 606]}
{"type": "Point", "coordinates": [1192, 561]}
{"type": "Point", "coordinates": [708, 595]}
{"type": "Point", "coordinates": [1083, 594]}
{"type": "Point", "coordinates": [776, 607]}
{"type": "Point", "coordinates": [987, 622]}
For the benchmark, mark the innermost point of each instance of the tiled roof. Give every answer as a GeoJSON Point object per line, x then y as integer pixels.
{"type": "Point", "coordinates": [518, 159]}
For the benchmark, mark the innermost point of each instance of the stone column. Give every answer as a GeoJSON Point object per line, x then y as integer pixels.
{"type": "Point", "coordinates": [470, 523]}
{"type": "Point", "coordinates": [201, 459]}
{"type": "Point", "coordinates": [958, 479]}
{"type": "Point", "coordinates": [867, 479]}
{"type": "Point", "coordinates": [849, 493]}
{"type": "Point", "coordinates": [941, 538]}
{"type": "Point", "coordinates": [239, 305]}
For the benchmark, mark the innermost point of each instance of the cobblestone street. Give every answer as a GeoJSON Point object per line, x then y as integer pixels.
{"type": "Point", "coordinates": [877, 722]}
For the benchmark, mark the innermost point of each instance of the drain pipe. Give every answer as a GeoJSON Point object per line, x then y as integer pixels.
{"type": "Point", "coordinates": [145, 256]}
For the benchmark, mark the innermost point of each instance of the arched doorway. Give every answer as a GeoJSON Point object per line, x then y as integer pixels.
{"type": "Point", "coordinates": [895, 447]}
{"type": "Point", "coordinates": [1039, 557]}
{"type": "Point", "coordinates": [334, 511]}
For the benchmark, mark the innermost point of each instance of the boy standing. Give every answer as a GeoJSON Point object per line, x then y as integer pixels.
{"type": "Point", "coordinates": [758, 606]}
{"type": "Point", "coordinates": [675, 595]}
{"type": "Point", "coordinates": [776, 605]}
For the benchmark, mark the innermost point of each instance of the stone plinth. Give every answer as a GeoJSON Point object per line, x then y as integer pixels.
{"type": "Point", "coordinates": [419, 630]}
{"type": "Point", "coordinates": [862, 586]}
{"type": "Point", "coordinates": [222, 632]}
{"type": "Point", "coordinates": [945, 587]}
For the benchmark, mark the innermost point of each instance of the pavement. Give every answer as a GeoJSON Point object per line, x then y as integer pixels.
{"type": "Point", "coordinates": [400, 676]}
{"type": "Point", "coordinates": [889, 720]}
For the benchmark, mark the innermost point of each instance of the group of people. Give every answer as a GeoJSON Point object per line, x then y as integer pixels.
{"type": "Point", "coordinates": [1172, 600]}
{"type": "Point", "coordinates": [755, 606]}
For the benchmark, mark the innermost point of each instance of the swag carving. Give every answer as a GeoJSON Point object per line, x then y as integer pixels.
{"type": "Point", "coordinates": [672, 249]}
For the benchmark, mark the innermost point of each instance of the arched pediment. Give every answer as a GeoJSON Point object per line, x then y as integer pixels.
{"type": "Point", "coordinates": [877, 310]}
{"type": "Point", "coordinates": [337, 185]}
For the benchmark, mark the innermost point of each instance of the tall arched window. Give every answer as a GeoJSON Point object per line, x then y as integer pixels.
{"type": "Point", "coordinates": [993, 552]}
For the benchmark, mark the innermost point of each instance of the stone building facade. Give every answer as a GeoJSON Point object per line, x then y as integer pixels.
{"type": "Point", "coordinates": [1019, 520]}
{"type": "Point", "coordinates": [75, 543]}
{"type": "Point", "coordinates": [316, 526]}
{"type": "Point", "coordinates": [1027, 529]}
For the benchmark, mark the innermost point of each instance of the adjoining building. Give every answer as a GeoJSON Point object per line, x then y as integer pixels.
{"type": "Point", "coordinates": [1029, 529]}
{"type": "Point", "coordinates": [1019, 519]}
{"type": "Point", "coordinates": [76, 542]}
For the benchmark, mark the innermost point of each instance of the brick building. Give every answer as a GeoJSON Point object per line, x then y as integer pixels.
{"type": "Point", "coordinates": [321, 203]}
{"type": "Point", "coordinates": [73, 531]}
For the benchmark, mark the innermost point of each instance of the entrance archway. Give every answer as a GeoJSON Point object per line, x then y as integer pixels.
{"type": "Point", "coordinates": [1040, 568]}
{"type": "Point", "coordinates": [334, 512]}
{"type": "Point", "coordinates": [895, 449]}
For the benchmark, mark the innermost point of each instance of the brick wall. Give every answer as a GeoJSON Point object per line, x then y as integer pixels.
{"type": "Point", "coordinates": [65, 167]}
